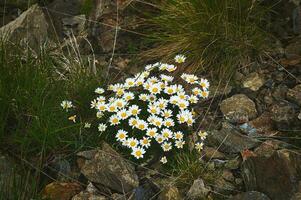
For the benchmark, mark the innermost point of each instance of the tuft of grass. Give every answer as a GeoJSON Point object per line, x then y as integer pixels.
{"type": "Point", "coordinates": [31, 89]}
{"type": "Point", "coordinates": [86, 7]}
{"type": "Point", "coordinates": [187, 167]}
{"type": "Point", "coordinates": [215, 35]}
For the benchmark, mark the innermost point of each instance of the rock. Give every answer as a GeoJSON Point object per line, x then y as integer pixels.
{"type": "Point", "coordinates": [117, 196]}
{"type": "Point", "coordinates": [279, 93]}
{"type": "Point", "coordinates": [294, 94]}
{"type": "Point", "coordinates": [276, 174]}
{"type": "Point", "coordinates": [233, 163]}
{"type": "Point", "coordinates": [198, 190]}
{"type": "Point", "coordinates": [230, 140]}
{"type": "Point", "coordinates": [147, 189]}
{"type": "Point", "coordinates": [238, 108]}
{"type": "Point", "coordinates": [61, 190]}
{"type": "Point", "coordinates": [170, 193]}
{"type": "Point", "coordinates": [250, 195]}
{"type": "Point", "coordinates": [253, 81]}
{"type": "Point", "coordinates": [30, 28]}
{"type": "Point", "coordinates": [212, 153]}
{"type": "Point", "coordinates": [106, 167]}
{"type": "Point", "coordinates": [73, 26]}
{"type": "Point", "coordinates": [293, 49]}
{"type": "Point", "coordinates": [223, 187]}
{"type": "Point", "coordinates": [283, 112]}
{"type": "Point", "coordinates": [228, 176]}
{"type": "Point", "coordinates": [88, 196]}
{"type": "Point", "coordinates": [263, 124]}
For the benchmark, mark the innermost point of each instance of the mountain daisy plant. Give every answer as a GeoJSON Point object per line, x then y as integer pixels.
{"type": "Point", "coordinates": [152, 110]}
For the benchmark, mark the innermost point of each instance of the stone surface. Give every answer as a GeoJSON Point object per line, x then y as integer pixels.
{"type": "Point", "coordinates": [106, 167]}
{"type": "Point", "coordinates": [230, 140]}
{"type": "Point", "coordinates": [30, 28]}
{"type": "Point", "coordinates": [283, 112]}
{"type": "Point", "coordinates": [212, 153]}
{"type": "Point", "coordinates": [198, 190]}
{"type": "Point", "coordinates": [170, 193]}
{"type": "Point", "coordinates": [61, 190]}
{"type": "Point", "coordinates": [250, 195]}
{"type": "Point", "coordinates": [294, 94]}
{"type": "Point", "coordinates": [253, 81]}
{"type": "Point", "coordinates": [238, 108]}
{"type": "Point", "coordinates": [88, 196]}
{"type": "Point", "coordinates": [263, 124]}
{"type": "Point", "coordinates": [275, 173]}
{"type": "Point", "coordinates": [73, 26]}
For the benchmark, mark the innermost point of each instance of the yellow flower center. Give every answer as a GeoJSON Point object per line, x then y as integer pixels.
{"type": "Point", "coordinates": [138, 153]}
{"type": "Point", "coordinates": [132, 143]}
{"type": "Point", "coordinates": [115, 120]}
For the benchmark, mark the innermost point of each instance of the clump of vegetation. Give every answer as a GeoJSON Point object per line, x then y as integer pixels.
{"type": "Point", "coordinates": [217, 34]}
{"type": "Point", "coordinates": [150, 111]}
{"type": "Point", "coordinates": [86, 7]}
{"type": "Point", "coordinates": [31, 88]}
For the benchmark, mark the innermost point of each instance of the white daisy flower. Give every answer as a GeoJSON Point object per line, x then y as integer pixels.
{"type": "Point", "coordinates": [145, 142]}
{"type": "Point", "coordinates": [66, 105]}
{"type": "Point", "coordinates": [152, 132]}
{"type": "Point", "coordinates": [199, 146]}
{"type": "Point", "coordinates": [159, 138]}
{"type": "Point", "coordinates": [166, 146]}
{"type": "Point", "coordinates": [174, 100]}
{"type": "Point", "coordinates": [99, 90]}
{"type": "Point", "coordinates": [138, 152]}
{"type": "Point", "coordinates": [167, 113]}
{"type": "Point", "coordinates": [150, 67]}
{"type": "Point", "coordinates": [171, 68]}
{"type": "Point", "coordinates": [155, 88]}
{"type": "Point", "coordinates": [101, 106]}
{"type": "Point", "coordinates": [102, 127]}
{"type": "Point", "coordinates": [129, 82]}
{"type": "Point", "coordinates": [152, 98]}
{"type": "Point", "coordinates": [178, 135]}
{"type": "Point", "coordinates": [163, 160]}
{"type": "Point", "coordinates": [204, 83]}
{"type": "Point", "coordinates": [142, 125]}
{"type": "Point", "coordinates": [133, 122]}
{"type": "Point", "coordinates": [121, 135]}
{"type": "Point", "coordinates": [161, 103]}
{"type": "Point", "coordinates": [120, 103]}
{"type": "Point", "coordinates": [182, 118]}
{"type": "Point", "coordinates": [179, 144]}
{"type": "Point", "coordinates": [72, 118]}
{"type": "Point", "coordinates": [93, 103]}
{"type": "Point", "coordinates": [143, 97]}
{"type": "Point", "coordinates": [153, 109]}
{"type": "Point", "coordinates": [123, 114]}
{"type": "Point", "coordinates": [114, 120]}
{"type": "Point", "coordinates": [166, 133]}
{"type": "Point", "coordinates": [87, 125]}
{"type": "Point", "coordinates": [170, 90]}
{"type": "Point", "coordinates": [128, 96]}
{"type": "Point", "coordinates": [166, 78]}
{"type": "Point", "coordinates": [112, 107]}
{"type": "Point", "coordinates": [158, 122]}
{"type": "Point", "coordinates": [189, 78]}
{"type": "Point", "coordinates": [163, 66]}
{"type": "Point", "coordinates": [193, 99]}
{"type": "Point", "coordinates": [99, 115]}
{"type": "Point", "coordinates": [132, 143]}
{"type": "Point", "coordinates": [182, 95]}
{"type": "Point", "coordinates": [202, 135]}
{"type": "Point", "coordinates": [153, 80]}
{"type": "Point", "coordinates": [169, 122]}
{"type": "Point", "coordinates": [196, 91]}
{"type": "Point", "coordinates": [205, 94]}
{"type": "Point", "coordinates": [180, 58]}
{"type": "Point", "coordinates": [134, 110]}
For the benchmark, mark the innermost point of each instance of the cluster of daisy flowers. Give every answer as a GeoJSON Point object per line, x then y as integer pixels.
{"type": "Point", "coordinates": [151, 109]}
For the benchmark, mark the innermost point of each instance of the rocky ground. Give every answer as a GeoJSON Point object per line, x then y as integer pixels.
{"type": "Point", "coordinates": [253, 121]}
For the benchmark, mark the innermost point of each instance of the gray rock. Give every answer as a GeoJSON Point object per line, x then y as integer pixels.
{"type": "Point", "coordinates": [294, 94]}
{"type": "Point", "coordinates": [238, 108]}
{"type": "Point", "coordinates": [30, 28]}
{"type": "Point", "coordinates": [250, 195]}
{"type": "Point", "coordinates": [230, 140]}
{"type": "Point", "coordinates": [275, 173]}
{"type": "Point", "coordinates": [283, 112]}
{"type": "Point", "coordinates": [170, 193]}
{"type": "Point", "coordinates": [73, 26]}
{"type": "Point", "coordinates": [253, 81]}
{"type": "Point", "coordinates": [106, 167]}
{"type": "Point", "coordinates": [198, 190]}
{"type": "Point", "coordinates": [223, 187]}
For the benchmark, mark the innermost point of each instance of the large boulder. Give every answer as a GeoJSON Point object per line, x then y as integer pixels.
{"type": "Point", "coordinates": [231, 140]}
{"type": "Point", "coordinates": [30, 28]}
{"type": "Point", "coordinates": [238, 108]}
{"type": "Point", "coordinates": [107, 168]}
{"type": "Point", "coordinates": [276, 173]}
